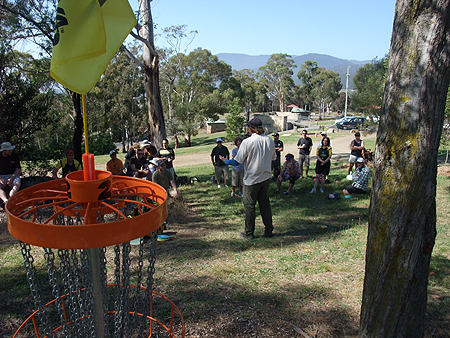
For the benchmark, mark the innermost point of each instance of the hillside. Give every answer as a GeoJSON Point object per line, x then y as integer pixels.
{"type": "Point", "coordinates": [253, 62]}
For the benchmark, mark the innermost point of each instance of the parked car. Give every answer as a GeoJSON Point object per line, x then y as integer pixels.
{"type": "Point", "coordinates": [351, 123]}
{"type": "Point", "coordinates": [343, 118]}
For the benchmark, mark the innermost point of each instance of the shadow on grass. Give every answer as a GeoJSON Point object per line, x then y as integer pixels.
{"type": "Point", "coordinates": [16, 302]}
{"type": "Point", "coordinates": [438, 321]}
{"type": "Point", "coordinates": [213, 307]}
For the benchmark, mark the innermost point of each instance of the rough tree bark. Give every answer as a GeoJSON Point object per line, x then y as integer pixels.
{"type": "Point", "coordinates": [402, 219]}
{"type": "Point", "coordinates": [151, 69]}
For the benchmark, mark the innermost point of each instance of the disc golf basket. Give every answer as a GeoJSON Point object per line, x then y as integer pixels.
{"type": "Point", "coordinates": [86, 279]}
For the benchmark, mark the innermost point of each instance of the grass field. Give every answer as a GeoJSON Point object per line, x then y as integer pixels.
{"type": "Point", "coordinates": [308, 277]}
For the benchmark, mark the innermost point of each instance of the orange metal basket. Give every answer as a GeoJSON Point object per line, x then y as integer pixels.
{"type": "Point", "coordinates": [75, 221]}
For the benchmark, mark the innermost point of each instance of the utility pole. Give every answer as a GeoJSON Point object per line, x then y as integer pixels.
{"type": "Point", "coordinates": [346, 90]}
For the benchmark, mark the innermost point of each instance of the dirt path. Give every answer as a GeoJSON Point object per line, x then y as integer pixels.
{"type": "Point", "coordinates": [339, 144]}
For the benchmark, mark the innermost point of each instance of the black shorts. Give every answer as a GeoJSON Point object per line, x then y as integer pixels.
{"type": "Point", "coordinates": [276, 165]}
{"type": "Point", "coordinates": [322, 169]}
{"type": "Point", "coordinates": [352, 190]}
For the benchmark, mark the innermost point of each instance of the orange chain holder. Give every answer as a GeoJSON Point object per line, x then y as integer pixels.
{"type": "Point", "coordinates": [86, 279]}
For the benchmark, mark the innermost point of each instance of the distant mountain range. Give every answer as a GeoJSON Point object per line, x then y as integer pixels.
{"type": "Point", "coordinates": [253, 62]}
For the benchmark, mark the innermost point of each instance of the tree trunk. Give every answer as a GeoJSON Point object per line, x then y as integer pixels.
{"type": "Point", "coordinates": [187, 139]}
{"type": "Point", "coordinates": [78, 125]}
{"type": "Point", "coordinates": [402, 213]}
{"type": "Point", "coordinates": [157, 130]}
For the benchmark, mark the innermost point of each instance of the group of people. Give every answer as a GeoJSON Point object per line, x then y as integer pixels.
{"type": "Point", "coordinates": [257, 159]}
{"type": "Point", "coordinates": [293, 170]}
{"type": "Point", "coordinates": [146, 163]}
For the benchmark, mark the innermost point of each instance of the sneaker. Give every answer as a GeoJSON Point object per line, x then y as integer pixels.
{"type": "Point", "coordinates": [240, 195]}
{"type": "Point", "coordinates": [243, 235]}
{"type": "Point", "coordinates": [268, 234]}
{"type": "Point", "coordinates": [321, 190]}
{"type": "Point", "coordinates": [327, 181]}
{"type": "Point", "coordinates": [233, 194]}
{"type": "Point", "coordinates": [313, 191]}
{"type": "Point", "coordinates": [218, 186]}
{"type": "Point", "coordinates": [285, 193]}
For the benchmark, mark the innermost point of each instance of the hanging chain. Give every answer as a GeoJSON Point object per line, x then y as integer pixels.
{"type": "Point", "coordinates": [68, 283]}
{"type": "Point", "coordinates": [118, 305]}
{"type": "Point", "coordinates": [126, 284]}
{"type": "Point", "coordinates": [151, 259]}
{"type": "Point", "coordinates": [88, 298]}
{"type": "Point", "coordinates": [32, 281]}
{"type": "Point", "coordinates": [51, 269]}
{"type": "Point", "coordinates": [104, 280]}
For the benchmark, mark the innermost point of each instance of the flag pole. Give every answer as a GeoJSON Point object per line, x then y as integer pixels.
{"type": "Point", "coordinates": [86, 144]}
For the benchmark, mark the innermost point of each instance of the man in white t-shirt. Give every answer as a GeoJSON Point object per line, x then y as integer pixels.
{"type": "Point", "coordinates": [256, 153]}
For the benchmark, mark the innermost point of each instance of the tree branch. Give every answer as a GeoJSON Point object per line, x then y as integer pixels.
{"type": "Point", "coordinates": [147, 43]}
{"type": "Point", "coordinates": [132, 57]}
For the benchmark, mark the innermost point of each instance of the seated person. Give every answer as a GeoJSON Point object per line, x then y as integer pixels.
{"type": "Point", "coordinates": [68, 165]}
{"type": "Point", "coordinates": [131, 153]}
{"type": "Point", "coordinates": [139, 166]}
{"type": "Point", "coordinates": [9, 172]}
{"type": "Point", "coordinates": [164, 178]}
{"type": "Point", "coordinates": [114, 165]}
{"type": "Point", "coordinates": [360, 179]}
{"type": "Point", "coordinates": [289, 171]}
{"type": "Point", "coordinates": [153, 165]}
{"type": "Point", "coordinates": [149, 150]}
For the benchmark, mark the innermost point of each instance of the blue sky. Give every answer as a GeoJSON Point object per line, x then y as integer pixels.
{"type": "Point", "coordinates": [347, 29]}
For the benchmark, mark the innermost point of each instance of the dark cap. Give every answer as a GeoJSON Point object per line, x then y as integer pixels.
{"type": "Point", "coordinates": [276, 134]}
{"type": "Point", "coordinates": [256, 122]}
{"type": "Point", "coordinates": [289, 156]}
{"type": "Point", "coordinates": [357, 133]}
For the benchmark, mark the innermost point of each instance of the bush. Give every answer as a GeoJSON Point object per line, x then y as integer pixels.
{"type": "Point", "coordinates": [101, 144]}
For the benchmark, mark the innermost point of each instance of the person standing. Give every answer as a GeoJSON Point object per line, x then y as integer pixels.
{"type": "Point", "coordinates": [68, 165]}
{"type": "Point", "coordinates": [276, 165]}
{"type": "Point", "coordinates": [167, 155]}
{"type": "Point", "coordinates": [322, 165]}
{"type": "Point", "coordinates": [304, 145]}
{"type": "Point", "coordinates": [237, 172]}
{"type": "Point", "coordinates": [356, 150]}
{"type": "Point", "coordinates": [256, 153]}
{"type": "Point", "coordinates": [323, 134]}
{"type": "Point", "coordinates": [219, 166]}
{"type": "Point", "coordinates": [9, 172]}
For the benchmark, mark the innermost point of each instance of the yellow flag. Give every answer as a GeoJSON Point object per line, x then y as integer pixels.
{"type": "Point", "coordinates": [87, 35]}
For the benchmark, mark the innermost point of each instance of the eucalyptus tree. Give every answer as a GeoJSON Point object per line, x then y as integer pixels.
{"type": "Point", "coordinates": [325, 89]}
{"type": "Point", "coordinates": [179, 39]}
{"type": "Point", "coordinates": [308, 71]}
{"type": "Point", "coordinates": [150, 67]}
{"type": "Point", "coordinates": [402, 212]}
{"type": "Point", "coordinates": [26, 106]}
{"type": "Point", "coordinates": [369, 84]}
{"type": "Point", "coordinates": [196, 94]}
{"type": "Point", "coordinates": [276, 74]}
{"type": "Point", "coordinates": [117, 101]}
{"type": "Point", "coordinates": [33, 21]}
{"type": "Point", "coordinates": [247, 80]}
